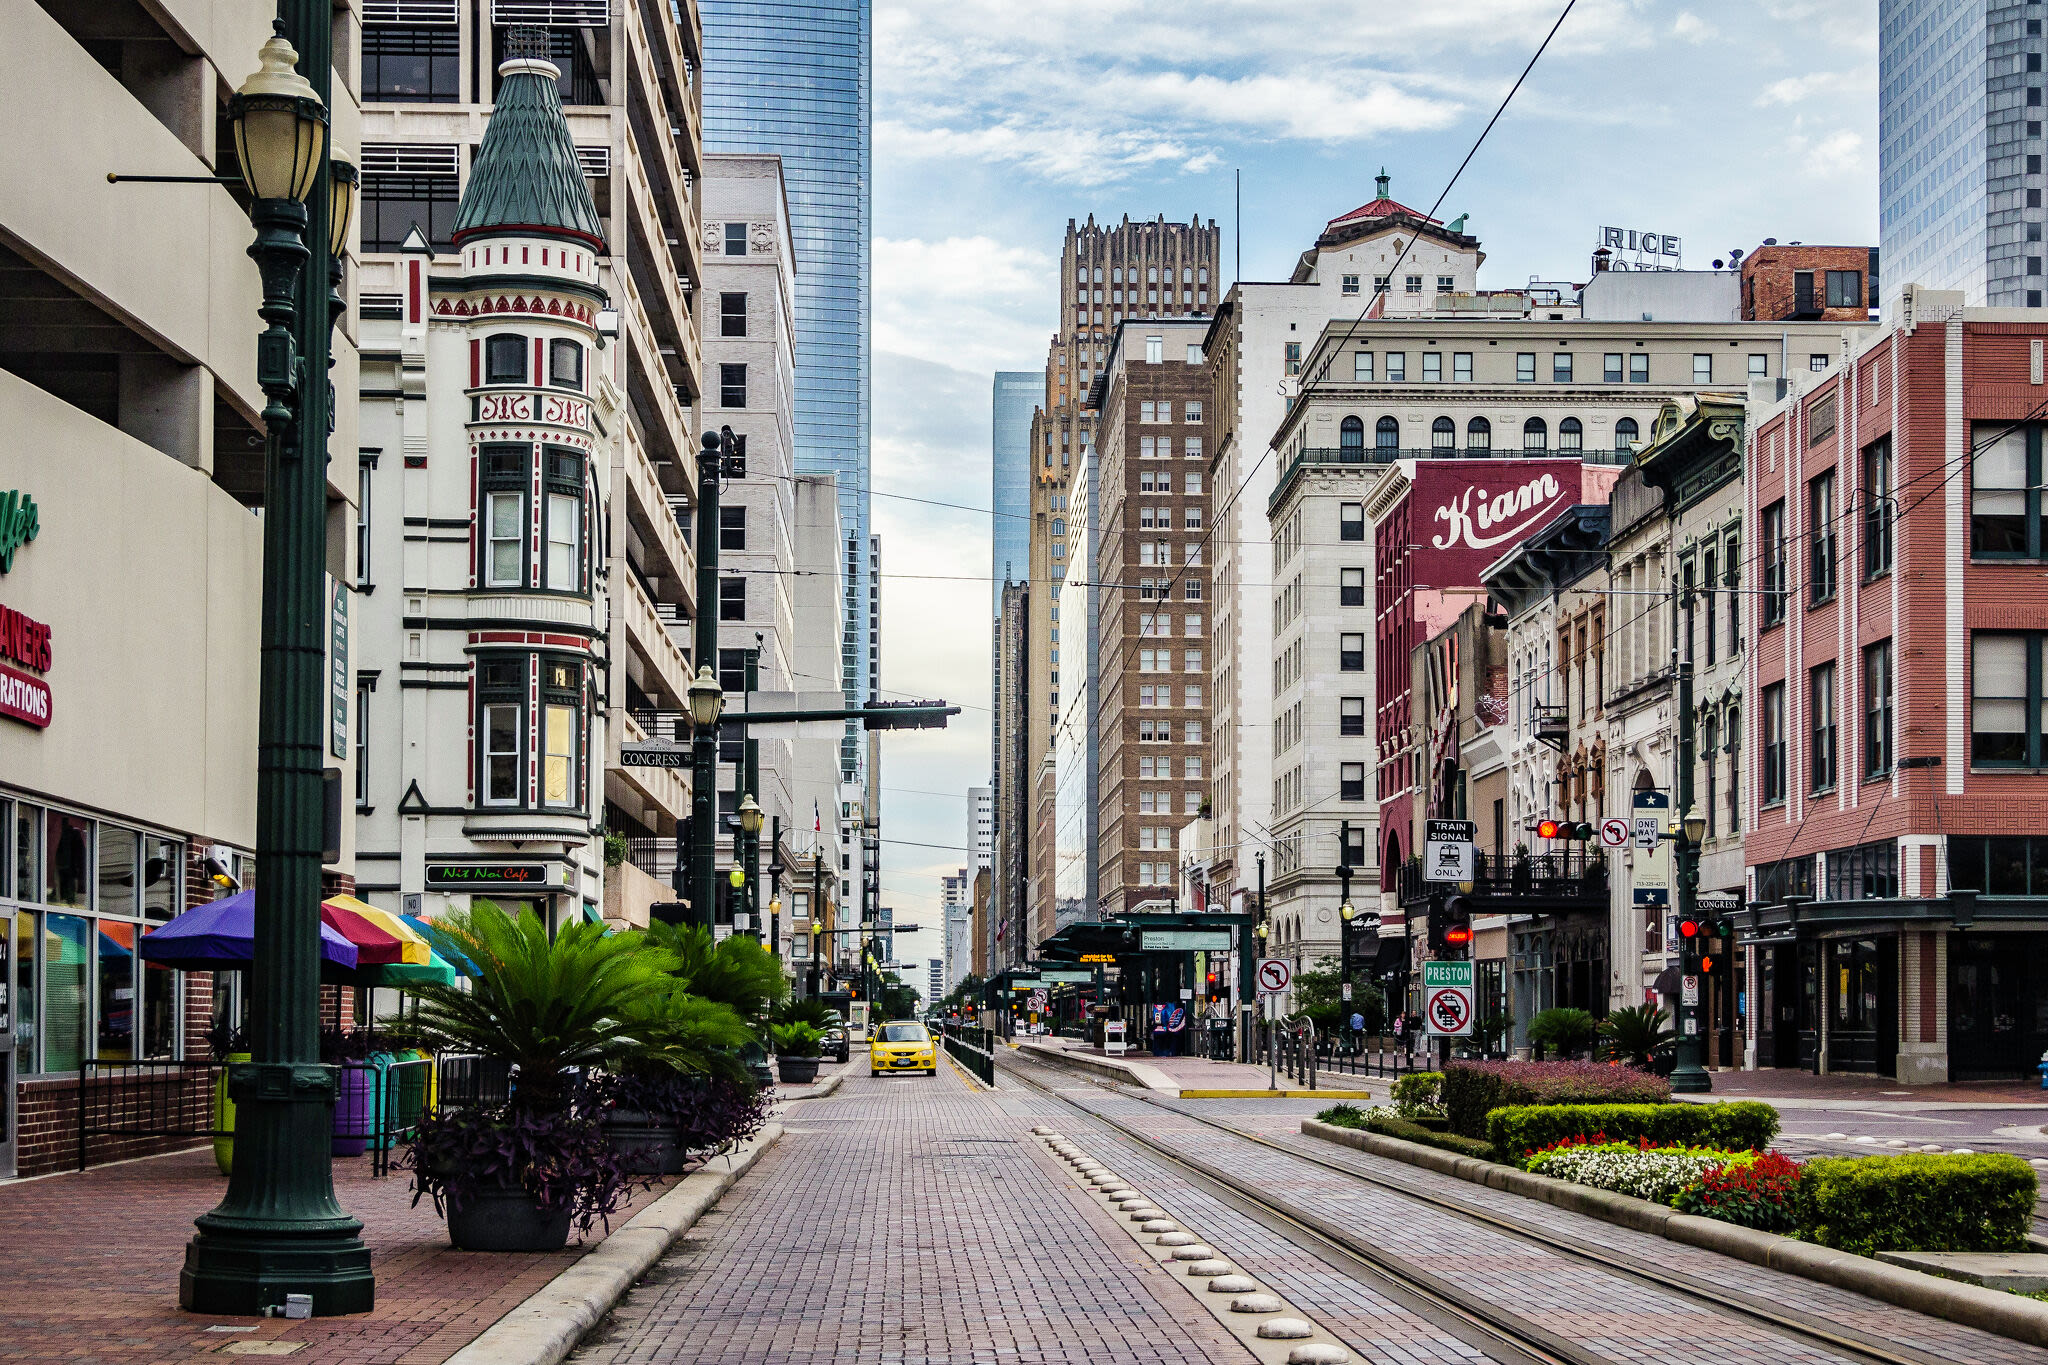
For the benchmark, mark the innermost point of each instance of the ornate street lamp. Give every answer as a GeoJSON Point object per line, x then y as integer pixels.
{"type": "Point", "coordinates": [278, 1230]}
{"type": "Point", "coordinates": [750, 815]}
{"type": "Point", "coordinates": [707, 698]}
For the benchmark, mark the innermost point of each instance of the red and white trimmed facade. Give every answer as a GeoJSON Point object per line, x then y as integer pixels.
{"type": "Point", "coordinates": [483, 657]}
{"type": "Point", "coordinates": [1938, 783]}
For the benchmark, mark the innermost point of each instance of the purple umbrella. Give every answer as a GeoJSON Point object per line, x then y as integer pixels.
{"type": "Point", "coordinates": [219, 936]}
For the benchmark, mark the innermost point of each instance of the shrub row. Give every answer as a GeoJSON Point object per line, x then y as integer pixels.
{"type": "Point", "coordinates": [1387, 1124]}
{"type": "Point", "coordinates": [1739, 1126]}
{"type": "Point", "coordinates": [1472, 1090]}
{"type": "Point", "coordinates": [1917, 1202]}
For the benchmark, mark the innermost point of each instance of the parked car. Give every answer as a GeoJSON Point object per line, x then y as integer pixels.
{"type": "Point", "coordinates": [835, 1043]}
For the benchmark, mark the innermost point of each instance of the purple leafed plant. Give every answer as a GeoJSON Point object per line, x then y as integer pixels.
{"type": "Point", "coordinates": [560, 1158]}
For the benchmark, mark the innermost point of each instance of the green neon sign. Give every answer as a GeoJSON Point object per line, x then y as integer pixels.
{"type": "Point", "coordinates": [18, 524]}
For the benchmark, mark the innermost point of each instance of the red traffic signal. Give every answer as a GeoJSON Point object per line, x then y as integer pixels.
{"type": "Point", "coordinates": [1688, 928]}
{"type": "Point", "coordinates": [1458, 933]}
{"type": "Point", "coordinates": [1563, 829]}
{"type": "Point", "coordinates": [1547, 829]}
{"type": "Point", "coordinates": [1707, 965]}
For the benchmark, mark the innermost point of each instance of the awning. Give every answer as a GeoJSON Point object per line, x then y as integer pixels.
{"type": "Point", "coordinates": [1390, 955]}
{"type": "Point", "coordinates": [1668, 982]}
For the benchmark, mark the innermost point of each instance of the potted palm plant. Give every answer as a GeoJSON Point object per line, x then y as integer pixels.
{"type": "Point", "coordinates": [796, 1052]}
{"type": "Point", "coordinates": [514, 1177]}
{"type": "Point", "coordinates": [1639, 1035]}
{"type": "Point", "coordinates": [736, 971]}
{"type": "Point", "coordinates": [650, 1097]}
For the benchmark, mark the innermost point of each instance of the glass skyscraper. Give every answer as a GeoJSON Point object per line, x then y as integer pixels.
{"type": "Point", "coordinates": [1017, 394]}
{"type": "Point", "coordinates": [794, 79]}
{"type": "Point", "coordinates": [1960, 181]}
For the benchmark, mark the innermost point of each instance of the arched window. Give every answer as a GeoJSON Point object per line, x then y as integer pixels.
{"type": "Point", "coordinates": [1479, 434]}
{"type": "Point", "coordinates": [1387, 435]}
{"type": "Point", "coordinates": [1443, 434]}
{"type": "Point", "coordinates": [1570, 435]}
{"type": "Point", "coordinates": [1625, 433]}
{"type": "Point", "coordinates": [1059, 526]}
{"type": "Point", "coordinates": [1710, 756]}
{"type": "Point", "coordinates": [1351, 435]}
{"type": "Point", "coordinates": [1535, 434]}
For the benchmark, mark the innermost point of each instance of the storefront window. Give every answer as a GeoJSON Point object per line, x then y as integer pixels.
{"type": "Point", "coordinates": [159, 1011]}
{"type": "Point", "coordinates": [25, 993]}
{"type": "Point", "coordinates": [28, 851]}
{"type": "Point", "coordinates": [163, 862]}
{"type": "Point", "coordinates": [67, 987]}
{"type": "Point", "coordinates": [68, 880]}
{"type": "Point", "coordinates": [117, 871]}
{"type": "Point", "coordinates": [116, 1011]}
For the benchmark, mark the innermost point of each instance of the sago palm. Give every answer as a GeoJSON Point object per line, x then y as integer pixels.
{"type": "Point", "coordinates": [735, 971]}
{"type": "Point", "coordinates": [676, 1032]}
{"type": "Point", "coordinates": [1636, 1035]}
{"type": "Point", "coordinates": [544, 1006]}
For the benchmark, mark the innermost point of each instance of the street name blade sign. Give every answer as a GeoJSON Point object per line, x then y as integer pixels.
{"type": "Point", "coordinates": [1447, 850]}
{"type": "Point", "coordinates": [1275, 975]}
{"type": "Point", "coordinates": [1447, 1004]}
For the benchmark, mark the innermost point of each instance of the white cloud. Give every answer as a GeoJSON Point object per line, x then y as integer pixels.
{"type": "Point", "coordinates": [1690, 28]}
{"type": "Point", "coordinates": [965, 302]}
{"type": "Point", "coordinates": [1843, 86]}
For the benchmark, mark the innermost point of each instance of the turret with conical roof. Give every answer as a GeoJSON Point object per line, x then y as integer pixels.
{"type": "Point", "coordinates": [527, 179]}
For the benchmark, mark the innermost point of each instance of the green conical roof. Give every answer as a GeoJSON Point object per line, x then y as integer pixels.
{"type": "Point", "coordinates": [526, 175]}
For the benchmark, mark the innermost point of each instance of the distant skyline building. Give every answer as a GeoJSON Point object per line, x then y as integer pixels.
{"type": "Point", "coordinates": [1016, 395]}
{"type": "Point", "coordinates": [981, 827]}
{"type": "Point", "coordinates": [1958, 166]}
{"type": "Point", "coordinates": [796, 80]}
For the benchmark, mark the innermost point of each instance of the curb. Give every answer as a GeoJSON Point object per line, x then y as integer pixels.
{"type": "Point", "coordinates": [1989, 1310]}
{"type": "Point", "coordinates": [818, 1089]}
{"type": "Point", "coordinates": [545, 1328]}
{"type": "Point", "coordinates": [1132, 1073]}
{"type": "Point", "coordinates": [1277, 1095]}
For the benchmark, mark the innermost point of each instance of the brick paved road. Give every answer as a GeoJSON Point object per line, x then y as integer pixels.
{"type": "Point", "coordinates": [1613, 1315]}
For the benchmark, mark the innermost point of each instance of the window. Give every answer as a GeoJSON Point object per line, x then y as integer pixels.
{"type": "Point", "coordinates": [1351, 717]}
{"type": "Point", "coordinates": [501, 689]}
{"type": "Point", "coordinates": [1773, 531]}
{"type": "Point", "coordinates": [1535, 434]}
{"type": "Point", "coordinates": [1194, 347]}
{"type": "Point", "coordinates": [1820, 501]}
{"type": "Point", "coordinates": [1351, 587]}
{"type": "Point", "coordinates": [1191, 447]}
{"type": "Point", "coordinates": [1759, 365]}
{"type": "Point", "coordinates": [1877, 709]}
{"type": "Point", "coordinates": [1867, 872]}
{"type": "Point", "coordinates": [1351, 521]}
{"type": "Point", "coordinates": [1191, 660]}
{"type": "Point", "coordinates": [1155, 350]}
{"type": "Point", "coordinates": [1191, 732]}
{"type": "Point", "coordinates": [1774, 743]}
{"type": "Point", "coordinates": [505, 359]}
{"type": "Point", "coordinates": [1386, 434]}
{"type": "Point", "coordinates": [1479, 434]}
{"type": "Point", "coordinates": [1710, 762]}
{"type": "Point", "coordinates": [1191, 519]}
{"type": "Point", "coordinates": [2005, 699]}
{"type": "Point", "coordinates": [1194, 410]}
{"type": "Point", "coordinates": [1191, 625]}
{"type": "Point", "coordinates": [1525, 367]}
{"type": "Point", "coordinates": [565, 364]}
{"type": "Point", "coordinates": [1191, 768]}
{"type": "Point", "coordinates": [1461, 367]}
{"type": "Point", "coordinates": [565, 541]}
{"type": "Point", "coordinates": [1877, 507]}
{"type": "Point", "coordinates": [1193, 694]}
{"type": "Point", "coordinates": [1351, 782]}
{"type": "Point", "coordinates": [1446, 283]}
{"type": "Point", "coordinates": [1351, 284]}
{"type": "Point", "coordinates": [1351, 653]}
{"type": "Point", "coordinates": [732, 386]}
{"type": "Point", "coordinates": [1708, 562]}
{"type": "Point", "coordinates": [1351, 437]}
{"type": "Point", "coordinates": [1731, 578]}
{"type": "Point", "coordinates": [2005, 497]}
{"type": "Point", "coordinates": [735, 239]}
{"type": "Point", "coordinates": [1626, 433]}
{"type": "Point", "coordinates": [1292, 354]}
{"type": "Point", "coordinates": [504, 484]}
{"type": "Point", "coordinates": [393, 203]}
{"type": "Point", "coordinates": [1561, 368]}
{"type": "Point", "coordinates": [1191, 591]}
{"type": "Point", "coordinates": [732, 599]}
{"type": "Point", "coordinates": [2011, 865]}
{"type": "Point", "coordinates": [1703, 367]}
{"type": "Point", "coordinates": [1191, 485]}
{"type": "Point", "coordinates": [1610, 367]}
{"type": "Point", "coordinates": [414, 63]}
{"type": "Point", "coordinates": [1413, 284]}
{"type": "Point", "coordinates": [732, 672]}
{"type": "Point", "coordinates": [1397, 367]}
{"type": "Point", "coordinates": [1570, 435]}
{"type": "Point", "coordinates": [1361, 367]}
{"type": "Point", "coordinates": [1638, 367]}
{"type": "Point", "coordinates": [732, 315]}
{"type": "Point", "coordinates": [732, 527]}
{"type": "Point", "coordinates": [1816, 363]}
{"type": "Point", "coordinates": [1821, 755]}
{"type": "Point", "coordinates": [561, 704]}
{"type": "Point", "coordinates": [1432, 367]}
{"type": "Point", "coordinates": [1845, 288]}
{"type": "Point", "coordinates": [1443, 434]}
{"type": "Point", "coordinates": [365, 467]}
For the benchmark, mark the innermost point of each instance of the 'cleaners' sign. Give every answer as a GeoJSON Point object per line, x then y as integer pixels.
{"type": "Point", "coordinates": [24, 641]}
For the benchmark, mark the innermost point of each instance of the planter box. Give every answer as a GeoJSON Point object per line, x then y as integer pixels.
{"type": "Point", "coordinates": [506, 1219]}
{"type": "Point", "coordinates": [646, 1144]}
{"type": "Point", "coordinates": [798, 1070]}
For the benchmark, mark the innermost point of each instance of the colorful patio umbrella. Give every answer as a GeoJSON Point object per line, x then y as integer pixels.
{"type": "Point", "coordinates": [443, 950]}
{"type": "Point", "coordinates": [220, 935]}
{"type": "Point", "coordinates": [374, 946]}
{"type": "Point", "coordinates": [414, 947]}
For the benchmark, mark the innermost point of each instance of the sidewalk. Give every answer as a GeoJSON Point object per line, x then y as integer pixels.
{"type": "Point", "coordinates": [1803, 1089]}
{"type": "Point", "coordinates": [1195, 1078]}
{"type": "Point", "coordinates": [93, 1262]}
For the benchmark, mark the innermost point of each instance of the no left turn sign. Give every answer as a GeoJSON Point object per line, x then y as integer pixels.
{"type": "Point", "coordinates": [1614, 832]}
{"type": "Point", "coordinates": [1275, 975]}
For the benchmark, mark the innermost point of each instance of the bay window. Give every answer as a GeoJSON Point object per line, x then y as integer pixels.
{"type": "Point", "coordinates": [501, 691]}
{"type": "Point", "coordinates": [505, 359]}
{"type": "Point", "coordinates": [561, 735]}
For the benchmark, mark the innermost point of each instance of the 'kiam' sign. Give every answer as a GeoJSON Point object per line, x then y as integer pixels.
{"type": "Point", "coordinates": [18, 524]}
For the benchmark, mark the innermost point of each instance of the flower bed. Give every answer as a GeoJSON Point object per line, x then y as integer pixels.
{"type": "Point", "coordinates": [1657, 1174]}
{"type": "Point", "coordinates": [1737, 1126]}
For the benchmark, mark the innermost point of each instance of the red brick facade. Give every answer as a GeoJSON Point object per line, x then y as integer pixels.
{"type": "Point", "coordinates": [1785, 282]}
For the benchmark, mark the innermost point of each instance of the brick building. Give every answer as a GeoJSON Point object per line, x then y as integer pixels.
{"type": "Point", "coordinates": [1151, 636]}
{"type": "Point", "coordinates": [1894, 745]}
{"type": "Point", "coordinates": [1799, 283]}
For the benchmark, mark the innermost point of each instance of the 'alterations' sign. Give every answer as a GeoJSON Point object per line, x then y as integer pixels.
{"type": "Point", "coordinates": [24, 641]}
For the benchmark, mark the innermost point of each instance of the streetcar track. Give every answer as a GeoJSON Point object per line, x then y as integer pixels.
{"type": "Point", "coordinates": [1434, 1288]}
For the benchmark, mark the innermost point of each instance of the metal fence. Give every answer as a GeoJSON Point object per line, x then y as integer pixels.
{"type": "Point", "coordinates": [973, 1048]}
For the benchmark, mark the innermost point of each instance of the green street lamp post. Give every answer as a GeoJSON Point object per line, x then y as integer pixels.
{"type": "Point", "coordinates": [1690, 1076]}
{"type": "Point", "coordinates": [278, 1230]}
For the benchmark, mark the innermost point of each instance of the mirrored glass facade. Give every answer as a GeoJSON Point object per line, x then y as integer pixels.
{"type": "Point", "coordinates": [794, 79]}
{"type": "Point", "coordinates": [1017, 393]}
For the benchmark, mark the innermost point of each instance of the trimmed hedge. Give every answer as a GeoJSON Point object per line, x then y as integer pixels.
{"type": "Point", "coordinates": [1740, 1126]}
{"type": "Point", "coordinates": [1416, 1133]}
{"type": "Point", "coordinates": [1917, 1202]}
{"type": "Point", "coordinates": [1472, 1090]}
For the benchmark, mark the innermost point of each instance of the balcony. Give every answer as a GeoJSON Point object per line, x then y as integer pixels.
{"type": "Point", "coordinates": [668, 554]}
{"type": "Point", "coordinates": [1536, 884]}
{"type": "Point", "coordinates": [663, 657]}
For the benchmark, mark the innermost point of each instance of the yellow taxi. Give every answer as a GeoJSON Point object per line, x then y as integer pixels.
{"type": "Point", "coordinates": [902, 1045]}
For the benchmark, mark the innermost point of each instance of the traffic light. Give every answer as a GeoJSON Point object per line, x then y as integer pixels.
{"type": "Point", "coordinates": [1691, 939]}
{"type": "Point", "coordinates": [1564, 829]}
{"type": "Point", "coordinates": [1450, 925]}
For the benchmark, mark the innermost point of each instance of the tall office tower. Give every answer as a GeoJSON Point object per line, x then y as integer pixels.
{"type": "Point", "coordinates": [981, 827]}
{"type": "Point", "coordinates": [1015, 398]}
{"type": "Point", "coordinates": [432, 74]}
{"type": "Point", "coordinates": [1108, 275]}
{"type": "Point", "coordinates": [956, 903]}
{"type": "Point", "coordinates": [794, 79]}
{"type": "Point", "coordinates": [1959, 147]}
{"type": "Point", "coordinates": [1002, 930]}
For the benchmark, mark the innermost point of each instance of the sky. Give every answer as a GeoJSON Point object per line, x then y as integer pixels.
{"type": "Point", "coordinates": [1721, 121]}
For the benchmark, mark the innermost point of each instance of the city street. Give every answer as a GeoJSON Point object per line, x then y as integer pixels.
{"type": "Point", "coordinates": [920, 1220]}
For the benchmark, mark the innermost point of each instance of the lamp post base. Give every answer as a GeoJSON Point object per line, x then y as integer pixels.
{"type": "Point", "coordinates": [1690, 1078]}
{"type": "Point", "coordinates": [245, 1275]}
